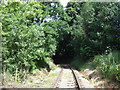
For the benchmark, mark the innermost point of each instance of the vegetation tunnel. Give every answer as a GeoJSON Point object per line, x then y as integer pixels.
{"type": "Point", "coordinates": [65, 52]}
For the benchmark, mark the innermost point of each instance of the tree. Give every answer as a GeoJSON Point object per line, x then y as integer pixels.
{"type": "Point", "coordinates": [27, 43]}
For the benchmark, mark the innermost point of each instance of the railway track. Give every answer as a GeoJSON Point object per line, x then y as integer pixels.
{"type": "Point", "coordinates": [67, 78]}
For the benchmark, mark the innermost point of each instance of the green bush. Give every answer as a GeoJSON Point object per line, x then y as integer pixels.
{"type": "Point", "coordinates": [27, 44]}
{"type": "Point", "coordinates": [109, 64]}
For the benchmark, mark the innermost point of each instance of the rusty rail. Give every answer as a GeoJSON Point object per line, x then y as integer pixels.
{"type": "Point", "coordinates": [76, 79]}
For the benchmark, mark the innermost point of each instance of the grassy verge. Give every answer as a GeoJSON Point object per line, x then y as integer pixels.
{"type": "Point", "coordinates": [108, 64]}
{"type": "Point", "coordinates": [35, 78]}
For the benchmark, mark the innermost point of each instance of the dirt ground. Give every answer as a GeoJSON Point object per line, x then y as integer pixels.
{"type": "Point", "coordinates": [97, 80]}
{"type": "Point", "coordinates": [40, 79]}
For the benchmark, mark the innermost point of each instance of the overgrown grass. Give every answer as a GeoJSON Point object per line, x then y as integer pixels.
{"type": "Point", "coordinates": [108, 64]}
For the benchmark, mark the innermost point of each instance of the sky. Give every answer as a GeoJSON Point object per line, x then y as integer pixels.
{"type": "Point", "coordinates": [64, 2]}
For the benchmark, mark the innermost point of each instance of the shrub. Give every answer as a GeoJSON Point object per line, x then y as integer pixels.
{"type": "Point", "coordinates": [27, 44]}
{"type": "Point", "coordinates": [109, 64]}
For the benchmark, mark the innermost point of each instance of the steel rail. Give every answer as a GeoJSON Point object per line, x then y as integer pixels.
{"type": "Point", "coordinates": [77, 80]}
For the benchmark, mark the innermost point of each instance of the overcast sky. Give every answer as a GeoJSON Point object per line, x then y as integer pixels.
{"type": "Point", "coordinates": [64, 2]}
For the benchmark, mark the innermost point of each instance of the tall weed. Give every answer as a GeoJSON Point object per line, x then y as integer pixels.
{"type": "Point", "coordinates": [109, 64]}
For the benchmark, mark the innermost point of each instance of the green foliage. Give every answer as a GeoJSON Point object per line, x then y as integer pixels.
{"type": "Point", "coordinates": [34, 32]}
{"type": "Point", "coordinates": [95, 27]}
{"type": "Point", "coordinates": [27, 44]}
{"type": "Point", "coordinates": [92, 27]}
{"type": "Point", "coordinates": [109, 65]}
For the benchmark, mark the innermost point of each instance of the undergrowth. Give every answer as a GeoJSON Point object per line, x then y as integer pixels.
{"type": "Point", "coordinates": [108, 64]}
